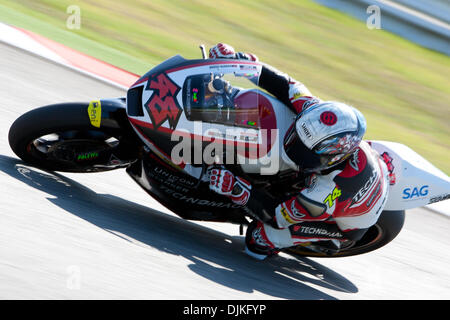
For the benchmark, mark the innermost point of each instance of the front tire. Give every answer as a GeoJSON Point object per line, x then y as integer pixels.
{"type": "Point", "coordinates": [75, 145]}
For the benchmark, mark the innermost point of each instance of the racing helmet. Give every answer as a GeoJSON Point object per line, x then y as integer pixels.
{"type": "Point", "coordinates": [324, 135]}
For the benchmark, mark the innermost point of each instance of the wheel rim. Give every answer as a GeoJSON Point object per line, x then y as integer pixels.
{"type": "Point", "coordinates": [72, 149]}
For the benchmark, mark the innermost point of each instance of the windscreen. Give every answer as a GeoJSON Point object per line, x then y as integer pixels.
{"type": "Point", "coordinates": [223, 97]}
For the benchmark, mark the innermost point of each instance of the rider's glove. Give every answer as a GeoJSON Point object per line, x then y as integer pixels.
{"type": "Point", "coordinates": [222, 50]}
{"type": "Point", "coordinates": [223, 182]}
{"type": "Point", "coordinates": [225, 51]}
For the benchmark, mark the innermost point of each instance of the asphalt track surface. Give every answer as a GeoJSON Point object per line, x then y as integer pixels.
{"type": "Point", "coordinates": [99, 236]}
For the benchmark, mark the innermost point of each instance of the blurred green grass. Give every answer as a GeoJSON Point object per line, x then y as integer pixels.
{"type": "Point", "coordinates": [402, 88]}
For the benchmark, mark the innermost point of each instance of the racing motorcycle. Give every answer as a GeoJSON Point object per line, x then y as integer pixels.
{"type": "Point", "coordinates": [183, 116]}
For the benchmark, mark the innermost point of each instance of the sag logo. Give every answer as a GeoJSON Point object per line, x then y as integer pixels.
{"type": "Point", "coordinates": [416, 192]}
{"type": "Point", "coordinates": [163, 104]}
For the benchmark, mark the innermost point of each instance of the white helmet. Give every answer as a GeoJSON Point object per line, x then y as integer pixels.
{"type": "Point", "coordinates": [324, 135]}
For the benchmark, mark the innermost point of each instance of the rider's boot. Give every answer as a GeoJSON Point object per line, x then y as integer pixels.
{"type": "Point", "coordinates": [257, 245]}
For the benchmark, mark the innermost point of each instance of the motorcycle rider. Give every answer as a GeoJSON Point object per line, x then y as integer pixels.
{"type": "Point", "coordinates": [347, 182]}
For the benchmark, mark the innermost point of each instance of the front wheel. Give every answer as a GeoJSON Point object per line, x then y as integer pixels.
{"type": "Point", "coordinates": [381, 233]}
{"type": "Point", "coordinates": [61, 137]}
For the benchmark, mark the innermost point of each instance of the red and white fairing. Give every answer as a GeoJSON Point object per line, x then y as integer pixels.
{"type": "Point", "coordinates": [414, 181]}
{"type": "Point", "coordinates": [255, 126]}
{"type": "Point", "coordinates": [252, 127]}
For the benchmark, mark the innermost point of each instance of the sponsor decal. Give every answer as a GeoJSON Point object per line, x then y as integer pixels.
{"type": "Point", "coordinates": [235, 135]}
{"type": "Point", "coordinates": [328, 118]}
{"type": "Point", "coordinates": [317, 232]}
{"type": "Point", "coordinates": [95, 113]}
{"type": "Point", "coordinates": [367, 186]}
{"type": "Point", "coordinates": [354, 161]}
{"type": "Point", "coordinates": [248, 67]}
{"type": "Point", "coordinates": [197, 201]}
{"type": "Point", "coordinates": [329, 200]}
{"type": "Point", "coordinates": [306, 131]}
{"type": "Point", "coordinates": [87, 156]}
{"type": "Point", "coordinates": [223, 66]}
{"type": "Point", "coordinates": [439, 198]}
{"type": "Point", "coordinates": [414, 193]}
{"type": "Point", "coordinates": [373, 196]}
{"type": "Point", "coordinates": [163, 104]}
{"type": "Point", "coordinates": [171, 180]}
{"type": "Point", "coordinates": [388, 160]}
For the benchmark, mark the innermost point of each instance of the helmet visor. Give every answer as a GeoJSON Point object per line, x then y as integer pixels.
{"type": "Point", "coordinates": [309, 160]}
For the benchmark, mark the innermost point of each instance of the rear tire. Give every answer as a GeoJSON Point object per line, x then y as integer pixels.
{"type": "Point", "coordinates": [384, 231]}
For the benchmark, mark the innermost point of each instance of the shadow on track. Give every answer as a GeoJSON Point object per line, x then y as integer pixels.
{"type": "Point", "coordinates": [214, 255]}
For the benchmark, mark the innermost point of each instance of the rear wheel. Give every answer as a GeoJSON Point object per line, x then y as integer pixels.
{"type": "Point", "coordinates": [61, 138]}
{"type": "Point", "coordinates": [384, 231]}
